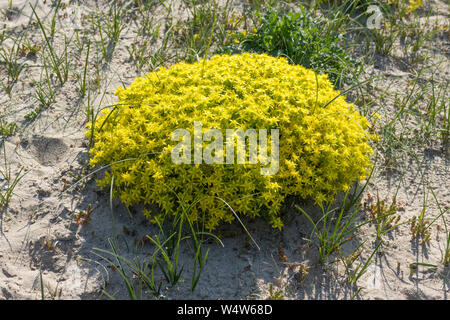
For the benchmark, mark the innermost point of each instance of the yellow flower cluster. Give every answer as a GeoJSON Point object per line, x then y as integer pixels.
{"type": "Point", "coordinates": [413, 5]}
{"type": "Point", "coordinates": [323, 147]}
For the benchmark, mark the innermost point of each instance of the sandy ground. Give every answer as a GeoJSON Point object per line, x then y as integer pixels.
{"type": "Point", "coordinates": [39, 232]}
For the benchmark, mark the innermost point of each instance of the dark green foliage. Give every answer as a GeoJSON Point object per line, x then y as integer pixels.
{"type": "Point", "coordinates": [301, 38]}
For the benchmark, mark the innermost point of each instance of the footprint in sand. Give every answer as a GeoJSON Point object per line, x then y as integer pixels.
{"type": "Point", "coordinates": [46, 150]}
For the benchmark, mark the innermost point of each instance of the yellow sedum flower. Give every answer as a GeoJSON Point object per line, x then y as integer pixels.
{"type": "Point", "coordinates": [413, 5]}
{"type": "Point", "coordinates": [322, 146]}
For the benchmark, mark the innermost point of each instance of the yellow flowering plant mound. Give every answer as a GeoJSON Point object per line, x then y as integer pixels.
{"type": "Point", "coordinates": [323, 146]}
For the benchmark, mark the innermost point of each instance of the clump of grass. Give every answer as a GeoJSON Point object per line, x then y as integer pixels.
{"type": "Point", "coordinates": [165, 256]}
{"type": "Point", "coordinates": [43, 93]}
{"type": "Point", "coordinates": [383, 214]}
{"type": "Point", "coordinates": [355, 273]}
{"type": "Point", "coordinates": [9, 181]}
{"type": "Point", "coordinates": [137, 52]}
{"type": "Point", "coordinates": [300, 37]}
{"type": "Point", "coordinates": [146, 52]}
{"type": "Point", "coordinates": [29, 49]}
{"type": "Point", "coordinates": [9, 60]}
{"type": "Point", "coordinates": [137, 274]}
{"type": "Point", "coordinates": [7, 129]}
{"type": "Point", "coordinates": [420, 121]}
{"type": "Point", "coordinates": [335, 227]}
{"type": "Point", "coordinates": [446, 257]}
{"type": "Point", "coordinates": [83, 216]}
{"type": "Point", "coordinates": [195, 35]}
{"type": "Point", "coordinates": [84, 79]}
{"type": "Point", "coordinates": [275, 294]}
{"type": "Point", "coordinates": [420, 224]}
{"type": "Point", "coordinates": [384, 39]}
{"type": "Point", "coordinates": [436, 117]}
{"type": "Point", "coordinates": [168, 247]}
{"type": "Point", "coordinates": [116, 21]}
{"type": "Point", "coordinates": [58, 64]}
{"type": "Point", "coordinates": [109, 26]}
{"type": "Point", "coordinates": [169, 241]}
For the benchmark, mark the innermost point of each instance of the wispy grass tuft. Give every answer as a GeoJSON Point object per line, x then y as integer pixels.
{"type": "Point", "coordinates": [59, 64]}
{"type": "Point", "coordinates": [10, 61]}
{"type": "Point", "coordinates": [9, 182]}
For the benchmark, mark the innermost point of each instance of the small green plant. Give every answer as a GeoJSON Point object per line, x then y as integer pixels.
{"type": "Point", "coordinates": [57, 6]}
{"type": "Point", "coordinates": [33, 114]}
{"type": "Point", "coordinates": [166, 257]}
{"type": "Point", "coordinates": [8, 182]}
{"type": "Point", "coordinates": [419, 227]}
{"type": "Point", "coordinates": [5, 195]}
{"type": "Point", "coordinates": [138, 52]}
{"type": "Point", "coordinates": [29, 49]}
{"type": "Point", "coordinates": [301, 38]}
{"type": "Point", "coordinates": [109, 27]}
{"type": "Point", "coordinates": [169, 241]}
{"type": "Point", "coordinates": [137, 274]}
{"type": "Point", "coordinates": [420, 224]}
{"type": "Point", "coordinates": [116, 20]}
{"type": "Point", "coordinates": [9, 60]}
{"type": "Point", "coordinates": [275, 294]}
{"type": "Point", "coordinates": [197, 235]}
{"type": "Point", "coordinates": [168, 246]}
{"type": "Point", "coordinates": [84, 80]}
{"type": "Point", "coordinates": [442, 215]}
{"type": "Point", "coordinates": [146, 52]}
{"type": "Point", "coordinates": [58, 64]}
{"type": "Point", "coordinates": [384, 39]}
{"type": "Point", "coordinates": [334, 228]}
{"type": "Point", "coordinates": [425, 106]}
{"type": "Point", "coordinates": [106, 51]}
{"type": "Point", "coordinates": [7, 129]}
{"type": "Point", "coordinates": [355, 273]}
{"type": "Point", "coordinates": [446, 257]}
{"type": "Point", "coordinates": [436, 123]}
{"type": "Point", "coordinates": [194, 36]}
{"type": "Point", "coordinates": [43, 93]}
{"type": "Point", "coordinates": [53, 293]}
{"type": "Point", "coordinates": [385, 216]}
{"type": "Point", "coordinates": [83, 217]}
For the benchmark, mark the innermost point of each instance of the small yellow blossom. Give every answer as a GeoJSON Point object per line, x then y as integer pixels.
{"type": "Point", "coordinates": [413, 5]}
